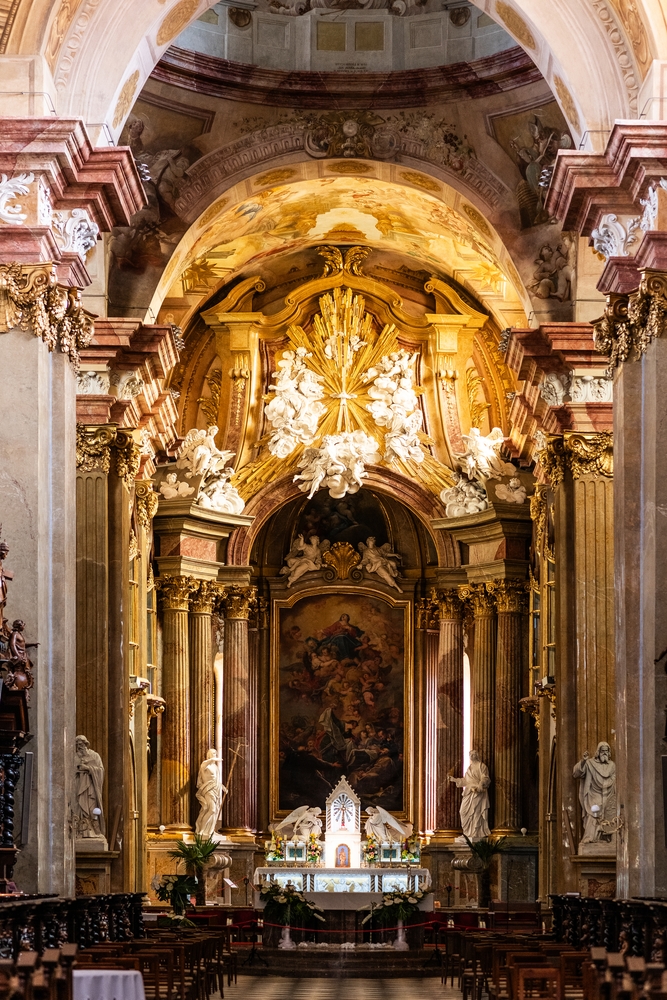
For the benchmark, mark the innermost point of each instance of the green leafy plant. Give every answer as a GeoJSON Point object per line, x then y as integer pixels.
{"type": "Point", "coordinates": [286, 905]}
{"type": "Point", "coordinates": [485, 849]}
{"type": "Point", "coordinates": [195, 854]}
{"type": "Point", "coordinates": [395, 906]}
{"type": "Point", "coordinates": [176, 890]}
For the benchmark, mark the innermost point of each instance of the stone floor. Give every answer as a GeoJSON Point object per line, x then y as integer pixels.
{"type": "Point", "coordinates": [282, 988]}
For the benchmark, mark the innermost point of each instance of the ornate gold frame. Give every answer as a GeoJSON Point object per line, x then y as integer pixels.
{"type": "Point", "coordinates": [406, 604]}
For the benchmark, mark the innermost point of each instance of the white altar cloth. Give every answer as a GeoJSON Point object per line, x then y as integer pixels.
{"type": "Point", "coordinates": [107, 984]}
{"type": "Point", "coordinates": [346, 888]}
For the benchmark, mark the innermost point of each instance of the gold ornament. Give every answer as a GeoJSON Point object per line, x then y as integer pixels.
{"type": "Point", "coordinates": [510, 595]}
{"type": "Point", "coordinates": [590, 454]}
{"type": "Point", "coordinates": [237, 601]}
{"type": "Point", "coordinates": [175, 591]}
{"type": "Point", "coordinates": [93, 446]}
{"type": "Point", "coordinates": [146, 502]}
{"type": "Point", "coordinates": [480, 600]}
{"type": "Point", "coordinates": [204, 599]}
{"type": "Point", "coordinates": [341, 561]}
{"type": "Point", "coordinates": [128, 457]}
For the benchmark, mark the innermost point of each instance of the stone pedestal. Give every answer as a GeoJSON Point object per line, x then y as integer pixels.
{"type": "Point", "coordinates": [93, 872]}
{"type": "Point", "coordinates": [37, 490]}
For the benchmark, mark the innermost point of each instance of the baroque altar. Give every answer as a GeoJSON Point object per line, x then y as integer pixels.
{"type": "Point", "coordinates": [340, 879]}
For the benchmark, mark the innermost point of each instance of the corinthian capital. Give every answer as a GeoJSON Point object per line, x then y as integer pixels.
{"type": "Point", "coordinates": [93, 446]}
{"type": "Point", "coordinates": [203, 600]}
{"type": "Point", "coordinates": [146, 501]}
{"type": "Point", "coordinates": [238, 601]}
{"type": "Point", "coordinates": [478, 598]}
{"type": "Point", "coordinates": [128, 457]}
{"type": "Point", "coordinates": [510, 595]}
{"type": "Point", "coordinates": [631, 322]}
{"type": "Point", "coordinates": [449, 605]}
{"type": "Point", "coordinates": [175, 591]}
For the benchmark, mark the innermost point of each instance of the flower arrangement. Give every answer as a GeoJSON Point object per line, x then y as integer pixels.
{"type": "Point", "coordinates": [313, 849]}
{"type": "Point", "coordinates": [286, 905]}
{"type": "Point", "coordinates": [395, 906]}
{"type": "Point", "coordinates": [276, 848]}
{"type": "Point", "coordinates": [371, 851]}
{"type": "Point", "coordinates": [411, 851]}
{"type": "Point", "coordinates": [176, 890]}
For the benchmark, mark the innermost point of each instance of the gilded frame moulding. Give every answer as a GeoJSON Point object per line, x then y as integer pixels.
{"type": "Point", "coordinates": [409, 751]}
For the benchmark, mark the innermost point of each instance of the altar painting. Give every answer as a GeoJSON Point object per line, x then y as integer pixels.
{"type": "Point", "coordinates": [339, 682]}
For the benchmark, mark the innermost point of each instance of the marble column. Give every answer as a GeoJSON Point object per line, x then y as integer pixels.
{"type": "Point", "coordinates": [202, 603]}
{"type": "Point", "coordinates": [177, 768]}
{"type": "Point", "coordinates": [239, 724]}
{"type": "Point", "coordinates": [38, 516]}
{"type": "Point", "coordinates": [511, 604]}
{"type": "Point", "coordinates": [264, 714]}
{"type": "Point", "coordinates": [446, 696]}
{"type": "Point", "coordinates": [483, 671]}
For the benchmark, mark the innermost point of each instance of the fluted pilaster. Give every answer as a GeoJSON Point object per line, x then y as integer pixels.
{"type": "Point", "coordinates": [175, 594]}
{"type": "Point", "coordinates": [483, 668]}
{"type": "Point", "coordinates": [239, 713]}
{"type": "Point", "coordinates": [511, 603]}
{"type": "Point", "coordinates": [202, 603]}
{"type": "Point", "coordinates": [445, 700]}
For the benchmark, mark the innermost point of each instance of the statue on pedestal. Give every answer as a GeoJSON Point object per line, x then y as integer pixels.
{"type": "Point", "coordinates": [210, 790]}
{"type": "Point", "coordinates": [88, 809]}
{"type": "Point", "coordinates": [597, 795]}
{"type": "Point", "coordinates": [475, 802]}
{"type": "Point", "coordinates": [385, 828]}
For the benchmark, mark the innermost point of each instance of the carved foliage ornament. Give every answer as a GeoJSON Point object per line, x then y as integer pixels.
{"type": "Point", "coordinates": [510, 595]}
{"type": "Point", "coordinates": [239, 601]}
{"type": "Point", "coordinates": [631, 322]}
{"type": "Point", "coordinates": [175, 591]}
{"type": "Point", "coordinates": [582, 454]}
{"type": "Point", "coordinates": [146, 501]}
{"type": "Point", "coordinates": [31, 299]}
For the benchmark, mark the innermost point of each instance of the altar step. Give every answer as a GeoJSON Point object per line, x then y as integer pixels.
{"type": "Point", "coordinates": [383, 963]}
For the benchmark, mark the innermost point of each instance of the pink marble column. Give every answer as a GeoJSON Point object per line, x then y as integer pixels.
{"type": "Point", "coordinates": [239, 725]}
{"type": "Point", "coordinates": [449, 707]}
{"type": "Point", "coordinates": [511, 603]}
{"type": "Point", "coordinates": [483, 670]}
{"type": "Point", "coordinates": [202, 603]}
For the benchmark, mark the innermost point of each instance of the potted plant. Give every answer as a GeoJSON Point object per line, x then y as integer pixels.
{"type": "Point", "coordinates": [483, 852]}
{"type": "Point", "coordinates": [176, 890]}
{"type": "Point", "coordinates": [195, 854]}
{"type": "Point", "coordinates": [285, 906]}
{"type": "Point", "coordinates": [396, 909]}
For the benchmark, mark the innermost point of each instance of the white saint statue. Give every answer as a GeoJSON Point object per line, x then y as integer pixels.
{"type": "Point", "coordinates": [89, 784]}
{"type": "Point", "coordinates": [303, 557]}
{"type": "Point", "coordinates": [210, 790]}
{"type": "Point", "coordinates": [597, 795]}
{"type": "Point", "coordinates": [475, 802]}
{"type": "Point", "coordinates": [385, 828]}
{"type": "Point", "coordinates": [380, 560]}
{"type": "Point", "coordinates": [300, 823]}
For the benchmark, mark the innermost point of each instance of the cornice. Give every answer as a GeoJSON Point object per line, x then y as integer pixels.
{"type": "Point", "coordinates": [235, 81]}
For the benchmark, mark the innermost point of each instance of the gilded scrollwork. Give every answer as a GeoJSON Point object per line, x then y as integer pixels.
{"type": "Point", "coordinates": [590, 454]}
{"type": "Point", "coordinates": [127, 455]}
{"type": "Point", "coordinates": [204, 599]}
{"type": "Point", "coordinates": [175, 591]}
{"type": "Point", "coordinates": [631, 322]}
{"type": "Point", "coordinates": [449, 604]}
{"type": "Point", "coordinates": [32, 299]}
{"type": "Point", "coordinates": [511, 595]}
{"type": "Point", "coordinates": [146, 502]}
{"type": "Point", "coordinates": [479, 598]}
{"type": "Point", "coordinates": [93, 446]}
{"type": "Point", "coordinates": [553, 460]}
{"type": "Point", "coordinates": [538, 512]}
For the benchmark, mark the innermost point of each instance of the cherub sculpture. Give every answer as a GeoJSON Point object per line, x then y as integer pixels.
{"type": "Point", "coordinates": [200, 455]}
{"type": "Point", "coordinates": [482, 459]}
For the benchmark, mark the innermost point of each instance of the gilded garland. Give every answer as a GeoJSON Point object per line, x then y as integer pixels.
{"type": "Point", "coordinates": [631, 322]}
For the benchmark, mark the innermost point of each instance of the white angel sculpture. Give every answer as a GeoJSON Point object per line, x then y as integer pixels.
{"type": "Point", "coordinates": [300, 823]}
{"type": "Point", "coordinates": [395, 406]}
{"type": "Point", "coordinates": [200, 455]}
{"type": "Point", "coordinates": [482, 459]}
{"type": "Point", "coordinates": [171, 488]}
{"type": "Point", "coordinates": [379, 560]}
{"type": "Point", "coordinates": [294, 411]}
{"type": "Point", "coordinates": [339, 464]}
{"type": "Point", "coordinates": [303, 557]}
{"type": "Point", "coordinates": [512, 492]}
{"type": "Point", "coordinates": [220, 495]}
{"type": "Point", "coordinates": [385, 828]}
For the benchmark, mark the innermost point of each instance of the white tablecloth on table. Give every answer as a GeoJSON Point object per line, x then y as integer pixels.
{"type": "Point", "coordinates": [107, 984]}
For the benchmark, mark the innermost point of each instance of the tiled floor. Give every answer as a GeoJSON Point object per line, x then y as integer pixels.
{"type": "Point", "coordinates": [278, 988]}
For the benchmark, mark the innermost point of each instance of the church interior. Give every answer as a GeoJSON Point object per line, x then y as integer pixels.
{"type": "Point", "coordinates": [332, 659]}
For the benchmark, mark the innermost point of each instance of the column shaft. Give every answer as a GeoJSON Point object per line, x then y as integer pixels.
{"type": "Point", "coordinates": [511, 599]}
{"type": "Point", "coordinates": [483, 670]}
{"type": "Point", "coordinates": [239, 715]}
{"type": "Point", "coordinates": [449, 707]}
{"type": "Point", "coordinates": [176, 750]}
{"type": "Point", "coordinates": [201, 674]}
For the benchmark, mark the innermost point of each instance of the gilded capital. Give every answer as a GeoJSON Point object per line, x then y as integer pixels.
{"type": "Point", "coordinates": [449, 605]}
{"type": "Point", "coordinates": [203, 600]}
{"type": "Point", "coordinates": [426, 613]}
{"type": "Point", "coordinates": [590, 454]}
{"type": "Point", "coordinates": [127, 454]}
{"type": "Point", "coordinates": [93, 446]}
{"type": "Point", "coordinates": [146, 501]}
{"type": "Point", "coordinates": [511, 595]}
{"type": "Point", "coordinates": [32, 299]}
{"type": "Point", "coordinates": [478, 598]}
{"type": "Point", "coordinates": [631, 322]}
{"type": "Point", "coordinates": [552, 460]}
{"type": "Point", "coordinates": [538, 512]}
{"type": "Point", "coordinates": [175, 591]}
{"type": "Point", "coordinates": [237, 601]}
